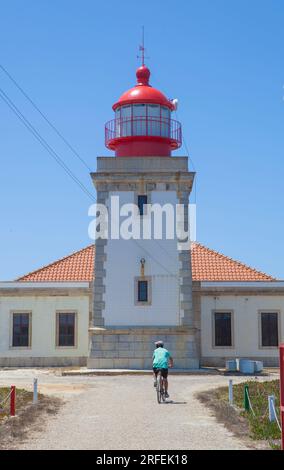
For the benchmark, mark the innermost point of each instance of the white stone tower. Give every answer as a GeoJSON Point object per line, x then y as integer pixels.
{"type": "Point", "coordinates": [143, 287]}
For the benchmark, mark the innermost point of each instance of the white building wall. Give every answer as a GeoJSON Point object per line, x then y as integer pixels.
{"type": "Point", "coordinates": [123, 265]}
{"type": "Point", "coordinates": [43, 341]}
{"type": "Point", "coordinates": [245, 326]}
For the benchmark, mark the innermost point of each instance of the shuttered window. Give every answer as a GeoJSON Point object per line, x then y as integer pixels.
{"type": "Point", "coordinates": [269, 329]}
{"type": "Point", "coordinates": [223, 329]}
{"type": "Point", "coordinates": [66, 323]}
{"type": "Point", "coordinates": [21, 330]}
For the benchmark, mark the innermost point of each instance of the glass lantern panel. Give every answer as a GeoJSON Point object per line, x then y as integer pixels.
{"type": "Point", "coordinates": [125, 121]}
{"type": "Point", "coordinates": [154, 121]}
{"type": "Point", "coordinates": [117, 129]}
{"type": "Point", "coordinates": [139, 119]}
{"type": "Point", "coordinates": [165, 121]}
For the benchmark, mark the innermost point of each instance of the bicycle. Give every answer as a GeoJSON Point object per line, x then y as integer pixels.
{"type": "Point", "coordinates": [160, 388]}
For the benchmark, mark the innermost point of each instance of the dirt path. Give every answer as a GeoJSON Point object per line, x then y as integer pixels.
{"type": "Point", "coordinates": [121, 413]}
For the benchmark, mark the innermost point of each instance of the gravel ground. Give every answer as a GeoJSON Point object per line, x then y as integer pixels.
{"type": "Point", "coordinates": [121, 413]}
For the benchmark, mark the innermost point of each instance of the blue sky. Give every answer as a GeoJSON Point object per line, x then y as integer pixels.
{"type": "Point", "coordinates": [222, 59]}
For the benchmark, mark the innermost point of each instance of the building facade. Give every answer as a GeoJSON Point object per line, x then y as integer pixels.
{"type": "Point", "coordinates": [105, 305]}
{"type": "Point", "coordinates": [238, 312]}
{"type": "Point", "coordinates": [44, 324]}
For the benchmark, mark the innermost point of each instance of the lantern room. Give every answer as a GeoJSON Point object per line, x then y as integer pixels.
{"type": "Point", "coordinates": [143, 125]}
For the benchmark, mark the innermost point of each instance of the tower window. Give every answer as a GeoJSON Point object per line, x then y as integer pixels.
{"type": "Point", "coordinates": [141, 201]}
{"type": "Point", "coordinates": [142, 291]}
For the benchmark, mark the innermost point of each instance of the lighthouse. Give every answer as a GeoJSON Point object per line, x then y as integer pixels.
{"type": "Point", "coordinates": [143, 125]}
{"type": "Point", "coordinates": [143, 283]}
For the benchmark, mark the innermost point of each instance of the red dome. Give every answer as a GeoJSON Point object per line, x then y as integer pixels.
{"type": "Point", "coordinates": [143, 92]}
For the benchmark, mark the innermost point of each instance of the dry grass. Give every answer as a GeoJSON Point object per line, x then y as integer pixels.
{"type": "Point", "coordinates": [23, 398]}
{"type": "Point", "coordinates": [29, 417]}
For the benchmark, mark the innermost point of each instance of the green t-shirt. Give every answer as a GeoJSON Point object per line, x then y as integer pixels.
{"type": "Point", "coordinates": [160, 358]}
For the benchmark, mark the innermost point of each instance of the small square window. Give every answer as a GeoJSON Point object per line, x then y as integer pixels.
{"type": "Point", "coordinates": [141, 202]}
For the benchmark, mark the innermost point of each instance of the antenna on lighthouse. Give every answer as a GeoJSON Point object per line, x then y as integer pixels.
{"type": "Point", "coordinates": [142, 49]}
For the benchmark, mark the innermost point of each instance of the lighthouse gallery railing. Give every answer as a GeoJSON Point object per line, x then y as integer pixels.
{"type": "Point", "coordinates": [143, 126]}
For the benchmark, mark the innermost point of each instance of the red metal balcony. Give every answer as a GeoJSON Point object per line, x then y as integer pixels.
{"type": "Point", "coordinates": [143, 128]}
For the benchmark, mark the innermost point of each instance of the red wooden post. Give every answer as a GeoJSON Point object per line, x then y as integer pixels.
{"type": "Point", "coordinates": [281, 349]}
{"type": "Point", "coordinates": [13, 401]}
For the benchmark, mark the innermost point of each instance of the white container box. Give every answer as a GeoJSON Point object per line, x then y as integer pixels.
{"type": "Point", "coordinates": [258, 366]}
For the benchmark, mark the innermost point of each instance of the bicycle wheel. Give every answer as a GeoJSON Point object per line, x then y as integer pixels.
{"type": "Point", "coordinates": [162, 390]}
{"type": "Point", "coordinates": [158, 388]}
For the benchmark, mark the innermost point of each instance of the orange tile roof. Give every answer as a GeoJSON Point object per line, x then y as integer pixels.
{"type": "Point", "coordinates": [78, 266]}
{"type": "Point", "coordinates": [207, 265]}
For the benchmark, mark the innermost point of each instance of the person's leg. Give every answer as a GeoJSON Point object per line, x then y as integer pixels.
{"type": "Point", "coordinates": [166, 383]}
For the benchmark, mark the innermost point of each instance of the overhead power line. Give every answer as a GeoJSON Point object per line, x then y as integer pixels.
{"type": "Point", "coordinates": [55, 155]}
{"type": "Point", "coordinates": [191, 160]}
{"type": "Point", "coordinates": [45, 117]}
{"type": "Point", "coordinates": [43, 142]}
{"type": "Point", "coordinates": [57, 158]}
{"type": "Point", "coordinates": [153, 258]}
{"type": "Point", "coordinates": [164, 249]}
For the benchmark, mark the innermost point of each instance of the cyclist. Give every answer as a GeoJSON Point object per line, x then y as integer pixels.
{"type": "Point", "coordinates": [161, 361]}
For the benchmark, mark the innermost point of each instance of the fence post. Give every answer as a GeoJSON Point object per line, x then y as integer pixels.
{"type": "Point", "coordinates": [13, 401]}
{"type": "Point", "coordinates": [231, 392]}
{"type": "Point", "coordinates": [35, 396]}
{"type": "Point", "coordinates": [271, 408]}
{"type": "Point", "coordinates": [246, 395]}
{"type": "Point", "coordinates": [281, 350]}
